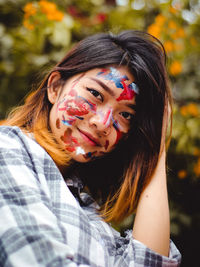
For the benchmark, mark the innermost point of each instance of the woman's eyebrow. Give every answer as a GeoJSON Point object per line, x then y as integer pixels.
{"type": "Point", "coordinates": [104, 86]}
{"type": "Point", "coordinates": [132, 106]}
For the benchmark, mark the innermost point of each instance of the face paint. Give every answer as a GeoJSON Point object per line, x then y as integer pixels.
{"type": "Point", "coordinates": [69, 140]}
{"type": "Point", "coordinates": [113, 75]}
{"type": "Point", "coordinates": [58, 123]}
{"type": "Point", "coordinates": [68, 122]}
{"type": "Point", "coordinates": [59, 103]}
{"type": "Point", "coordinates": [119, 133]}
{"type": "Point", "coordinates": [80, 98]}
{"type": "Point", "coordinates": [76, 107]}
{"type": "Point", "coordinates": [80, 118]}
{"type": "Point", "coordinates": [72, 91]}
{"type": "Point", "coordinates": [92, 106]}
{"type": "Point", "coordinates": [119, 136]}
{"type": "Point", "coordinates": [129, 91]}
{"type": "Point", "coordinates": [106, 145]}
{"type": "Point", "coordinates": [80, 150]}
{"type": "Point", "coordinates": [79, 108]}
{"type": "Point", "coordinates": [107, 118]}
{"type": "Point", "coordinates": [90, 155]}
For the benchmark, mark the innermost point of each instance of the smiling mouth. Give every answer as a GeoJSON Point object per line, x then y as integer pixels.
{"type": "Point", "coordinates": [89, 138]}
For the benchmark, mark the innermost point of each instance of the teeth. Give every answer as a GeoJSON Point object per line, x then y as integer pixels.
{"type": "Point", "coordinates": [80, 150]}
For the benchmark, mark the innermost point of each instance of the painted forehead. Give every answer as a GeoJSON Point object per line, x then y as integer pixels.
{"type": "Point", "coordinates": [120, 81]}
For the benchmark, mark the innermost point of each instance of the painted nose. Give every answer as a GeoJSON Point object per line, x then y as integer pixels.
{"type": "Point", "coordinates": [102, 121]}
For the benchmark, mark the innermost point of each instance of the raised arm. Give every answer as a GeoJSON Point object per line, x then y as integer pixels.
{"type": "Point", "coordinates": [151, 225]}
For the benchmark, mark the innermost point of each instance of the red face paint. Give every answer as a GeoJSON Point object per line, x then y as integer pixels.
{"type": "Point", "coordinates": [106, 145]}
{"type": "Point", "coordinates": [127, 93]}
{"type": "Point", "coordinates": [69, 121]}
{"type": "Point", "coordinates": [119, 133]}
{"type": "Point", "coordinates": [76, 107]}
{"type": "Point", "coordinates": [69, 140]}
{"type": "Point", "coordinates": [119, 136]}
{"type": "Point", "coordinates": [72, 92]}
{"type": "Point", "coordinates": [107, 118]}
{"type": "Point", "coordinates": [58, 123]}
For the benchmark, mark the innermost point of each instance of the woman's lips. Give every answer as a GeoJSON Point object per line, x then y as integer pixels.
{"type": "Point", "coordinates": [89, 138]}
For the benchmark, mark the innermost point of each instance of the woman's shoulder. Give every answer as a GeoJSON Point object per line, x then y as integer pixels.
{"type": "Point", "coordinates": [12, 132]}
{"type": "Point", "coordinates": [15, 141]}
{"type": "Point", "coordinates": [14, 137]}
{"type": "Point", "coordinates": [20, 151]}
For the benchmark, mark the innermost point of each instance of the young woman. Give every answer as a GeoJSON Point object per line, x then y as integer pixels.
{"type": "Point", "coordinates": [88, 148]}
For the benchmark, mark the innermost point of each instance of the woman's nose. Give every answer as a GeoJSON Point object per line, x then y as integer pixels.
{"type": "Point", "coordinates": [102, 121]}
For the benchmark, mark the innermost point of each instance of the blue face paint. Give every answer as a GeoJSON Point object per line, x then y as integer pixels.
{"type": "Point", "coordinates": [80, 118]}
{"type": "Point", "coordinates": [115, 77]}
{"type": "Point", "coordinates": [91, 105]}
{"type": "Point", "coordinates": [68, 122]}
{"type": "Point", "coordinates": [90, 155]}
{"type": "Point", "coordinates": [115, 125]}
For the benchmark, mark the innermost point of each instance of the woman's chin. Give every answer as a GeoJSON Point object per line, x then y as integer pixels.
{"type": "Point", "coordinates": [83, 157]}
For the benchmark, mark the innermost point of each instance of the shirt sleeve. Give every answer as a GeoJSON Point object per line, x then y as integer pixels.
{"type": "Point", "coordinates": [130, 248]}
{"type": "Point", "coordinates": [30, 234]}
{"type": "Point", "coordinates": [125, 250]}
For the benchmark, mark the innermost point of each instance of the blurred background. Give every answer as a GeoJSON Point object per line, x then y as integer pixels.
{"type": "Point", "coordinates": [34, 35]}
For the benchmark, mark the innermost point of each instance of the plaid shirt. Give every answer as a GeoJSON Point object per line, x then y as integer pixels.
{"type": "Point", "coordinates": [43, 224]}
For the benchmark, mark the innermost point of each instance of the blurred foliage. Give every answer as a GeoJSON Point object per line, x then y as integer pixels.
{"type": "Point", "coordinates": [34, 35]}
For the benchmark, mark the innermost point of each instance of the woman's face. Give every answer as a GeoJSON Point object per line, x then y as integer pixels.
{"type": "Point", "coordinates": [92, 111]}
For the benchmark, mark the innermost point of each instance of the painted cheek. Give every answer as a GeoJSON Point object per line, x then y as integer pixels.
{"type": "Point", "coordinates": [106, 145]}
{"type": "Point", "coordinates": [58, 123]}
{"type": "Point", "coordinates": [107, 118]}
{"type": "Point", "coordinates": [59, 103]}
{"type": "Point", "coordinates": [90, 155]}
{"type": "Point", "coordinates": [76, 107]}
{"type": "Point", "coordinates": [68, 121]}
{"type": "Point", "coordinates": [70, 141]}
{"type": "Point", "coordinates": [120, 134]}
{"type": "Point", "coordinates": [72, 92]}
{"type": "Point", "coordinates": [93, 107]}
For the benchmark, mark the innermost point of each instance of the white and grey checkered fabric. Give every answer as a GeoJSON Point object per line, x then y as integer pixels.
{"type": "Point", "coordinates": [42, 223]}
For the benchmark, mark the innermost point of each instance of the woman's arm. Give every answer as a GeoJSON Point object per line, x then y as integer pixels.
{"type": "Point", "coordinates": [151, 225]}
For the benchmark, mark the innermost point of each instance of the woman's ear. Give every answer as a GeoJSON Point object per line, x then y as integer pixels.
{"type": "Point", "coordinates": [53, 87]}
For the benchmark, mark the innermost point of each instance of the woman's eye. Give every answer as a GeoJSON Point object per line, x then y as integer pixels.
{"type": "Point", "coordinates": [95, 94]}
{"type": "Point", "coordinates": [126, 115]}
